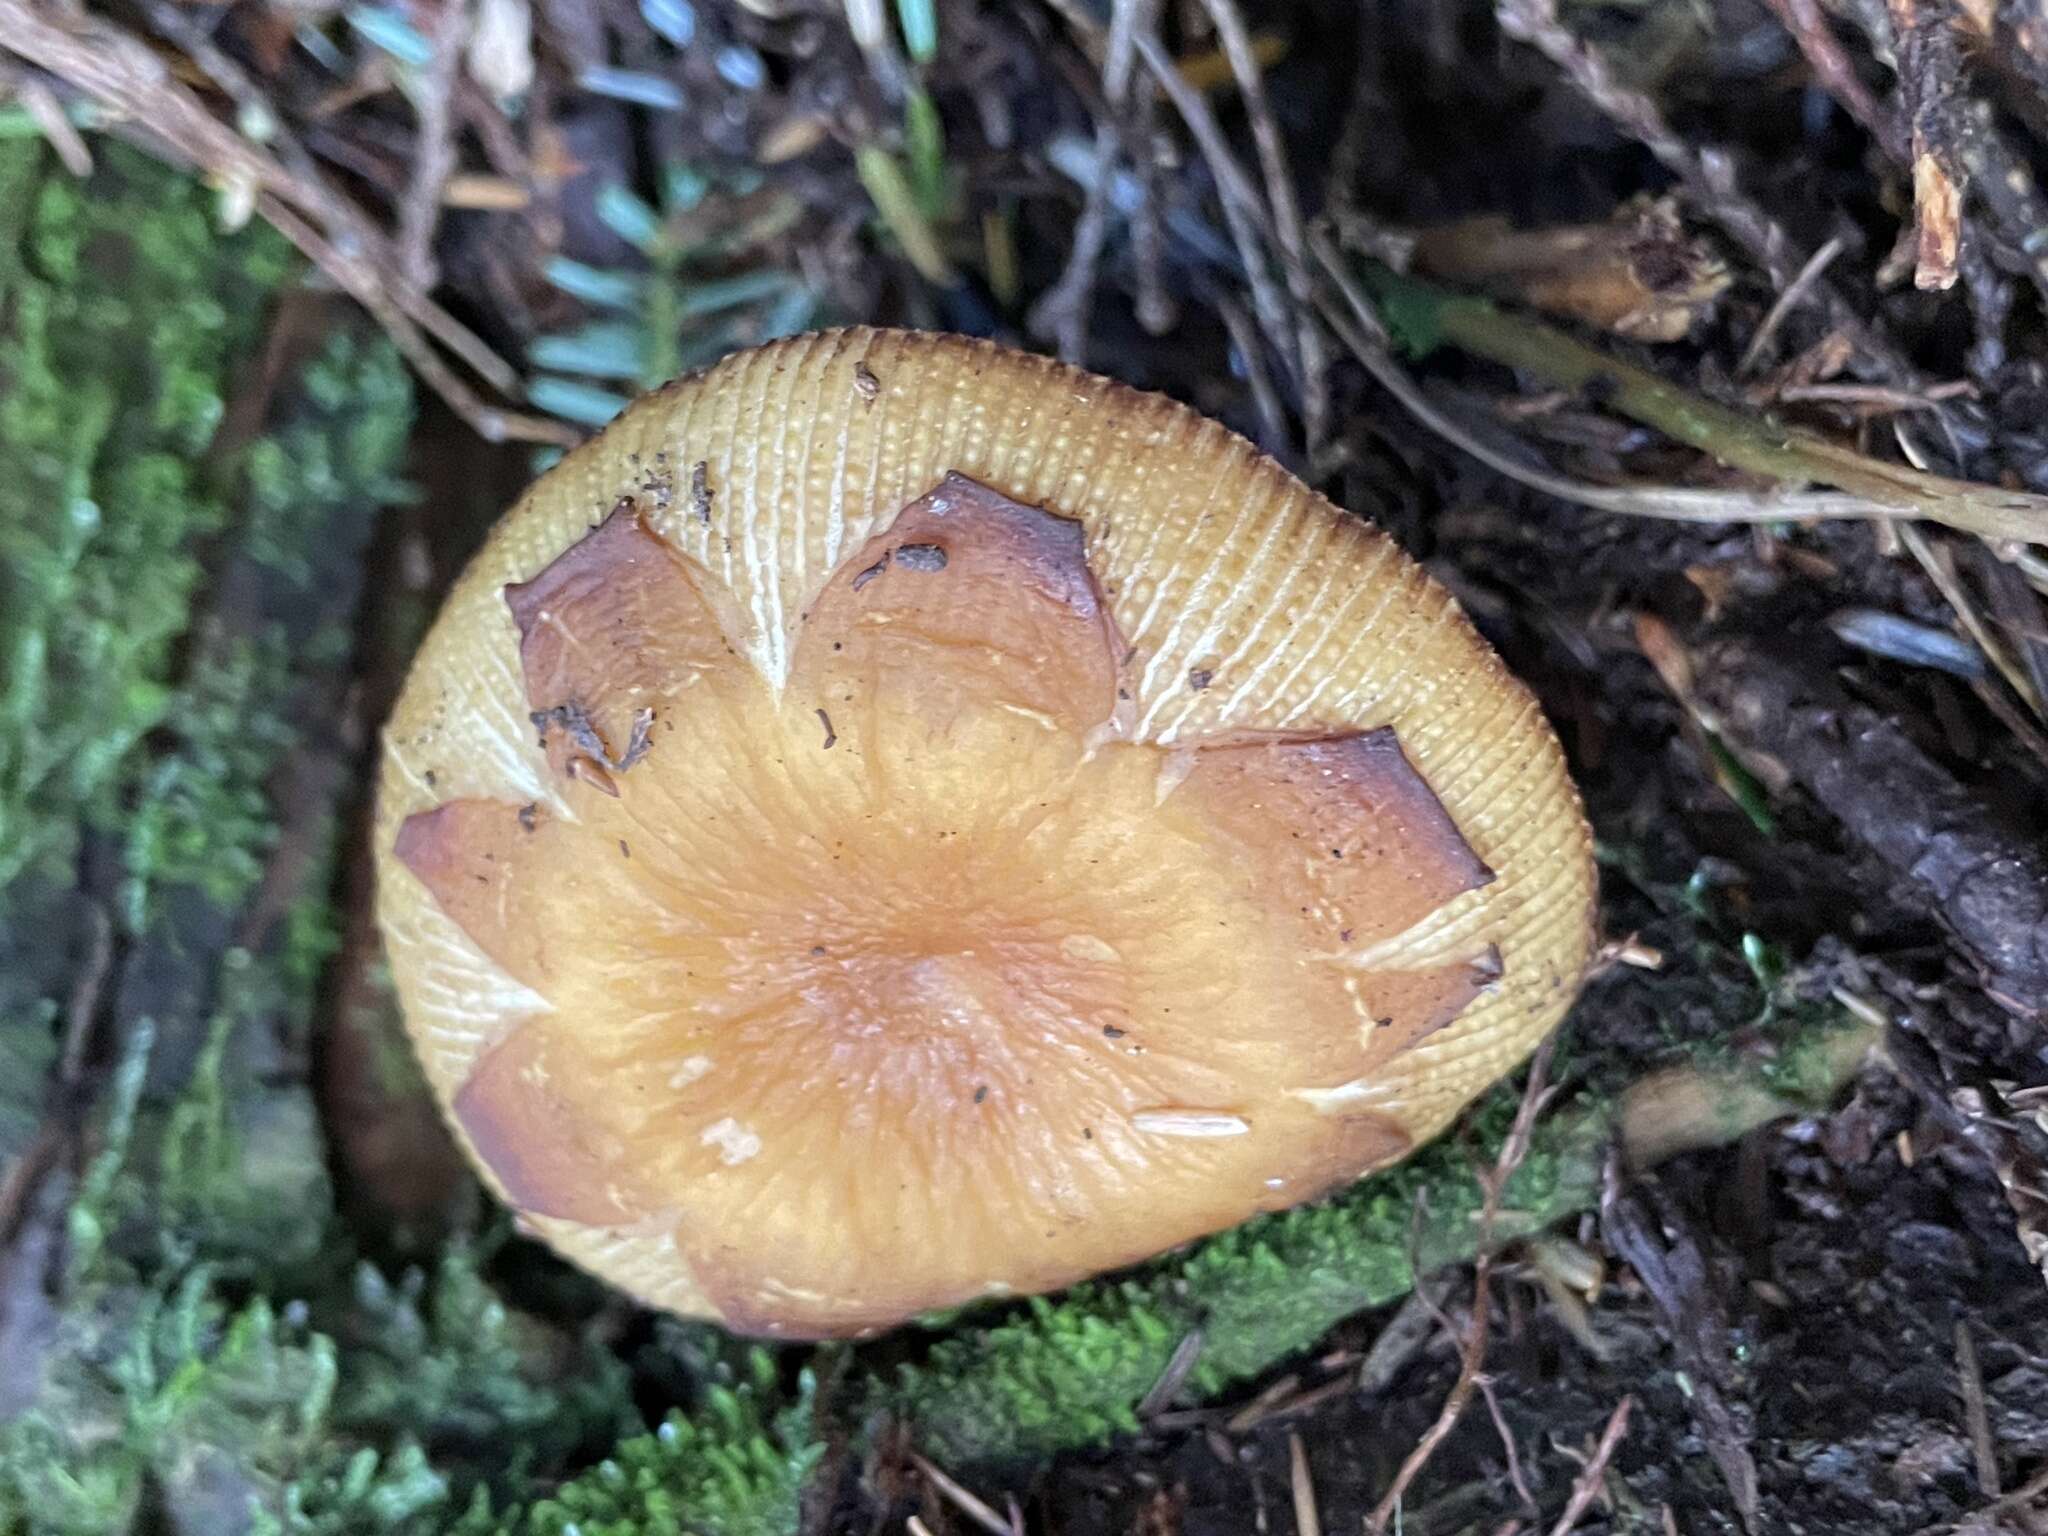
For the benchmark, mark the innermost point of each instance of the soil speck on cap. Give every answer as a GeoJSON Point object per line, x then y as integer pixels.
{"type": "Point", "coordinates": [700, 490]}
{"type": "Point", "coordinates": [866, 383]}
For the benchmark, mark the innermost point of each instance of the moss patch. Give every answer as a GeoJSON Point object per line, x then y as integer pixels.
{"type": "Point", "coordinates": [124, 313]}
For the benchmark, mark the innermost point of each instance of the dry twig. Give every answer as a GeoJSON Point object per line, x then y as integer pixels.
{"type": "Point", "coordinates": [1811, 30]}
{"type": "Point", "coordinates": [1178, 1368]}
{"type": "Point", "coordinates": [1507, 1444]}
{"type": "Point", "coordinates": [962, 1498]}
{"type": "Point", "coordinates": [1243, 210]}
{"type": "Point", "coordinates": [1786, 302]}
{"type": "Point", "coordinates": [1930, 74]}
{"type": "Point", "coordinates": [1062, 311]}
{"type": "Point", "coordinates": [1535, 1095]}
{"type": "Point", "coordinates": [1244, 336]}
{"type": "Point", "coordinates": [1667, 1258]}
{"type": "Point", "coordinates": [1308, 1521]}
{"type": "Point", "coordinates": [1868, 487]}
{"type": "Point", "coordinates": [1308, 357]}
{"type": "Point", "coordinates": [433, 159]}
{"type": "Point", "coordinates": [2004, 182]}
{"type": "Point", "coordinates": [1971, 1375]}
{"type": "Point", "coordinates": [1707, 174]}
{"type": "Point", "coordinates": [1587, 1484]}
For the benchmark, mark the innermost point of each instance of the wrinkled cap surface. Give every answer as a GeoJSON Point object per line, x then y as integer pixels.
{"type": "Point", "coordinates": [935, 862]}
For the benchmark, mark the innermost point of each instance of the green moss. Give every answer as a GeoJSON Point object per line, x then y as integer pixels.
{"type": "Point", "coordinates": [736, 1467]}
{"type": "Point", "coordinates": [202, 815]}
{"type": "Point", "coordinates": [28, 1050]}
{"type": "Point", "coordinates": [443, 1360]}
{"type": "Point", "coordinates": [156, 1387]}
{"type": "Point", "coordinates": [124, 319]}
{"type": "Point", "coordinates": [234, 1173]}
{"type": "Point", "coordinates": [122, 315]}
{"type": "Point", "coordinates": [335, 455]}
{"type": "Point", "coordinates": [374, 1408]}
{"type": "Point", "coordinates": [217, 1417]}
{"type": "Point", "coordinates": [201, 812]}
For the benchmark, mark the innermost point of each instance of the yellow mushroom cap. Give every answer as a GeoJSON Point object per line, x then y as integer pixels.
{"type": "Point", "coordinates": [896, 820]}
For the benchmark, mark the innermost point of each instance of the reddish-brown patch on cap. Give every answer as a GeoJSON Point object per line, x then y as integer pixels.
{"type": "Point", "coordinates": [610, 634]}
{"type": "Point", "coordinates": [525, 1123]}
{"type": "Point", "coordinates": [968, 599]}
{"type": "Point", "coordinates": [515, 878]}
{"type": "Point", "coordinates": [1341, 829]}
{"type": "Point", "coordinates": [1408, 1006]}
{"type": "Point", "coordinates": [1345, 845]}
{"type": "Point", "coordinates": [474, 855]}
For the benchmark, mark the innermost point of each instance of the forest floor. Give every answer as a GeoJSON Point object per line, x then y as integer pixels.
{"type": "Point", "coordinates": [1800, 670]}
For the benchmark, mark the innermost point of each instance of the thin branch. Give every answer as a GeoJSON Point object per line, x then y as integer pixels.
{"type": "Point", "coordinates": [433, 158]}
{"type": "Point", "coordinates": [1308, 358]}
{"type": "Point", "coordinates": [1308, 1520]}
{"type": "Point", "coordinates": [1736, 438]}
{"type": "Point", "coordinates": [1975, 1415]}
{"type": "Point", "coordinates": [1930, 69]}
{"type": "Point", "coordinates": [1355, 322]}
{"type": "Point", "coordinates": [1243, 209]}
{"type": "Point", "coordinates": [1062, 311]}
{"type": "Point", "coordinates": [962, 1498]}
{"type": "Point", "coordinates": [1786, 302]}
{"type": "Point", "coordinates": [1244, 336]}
{"type": "Point", "coordinates": [2004, 183]}
{"type": "Point", "coordinates": [489, 422]}
{"type": "Point", "coordinates": [47, 112]}
{"type": "Point", "coordinates": [1707, 174]}
{"type": "Point", "coordinates": [1587, 1484]}
{"type": "Point", "coordinates": [1534, 1096]}
{"type": "Point", "coordinates": [1811, 30]}
{"type": "Point", "coordinates": [1507, 1444]}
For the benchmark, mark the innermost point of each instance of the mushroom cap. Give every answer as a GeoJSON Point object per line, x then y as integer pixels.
{"type": "Point", "coordinates": [896, 820]}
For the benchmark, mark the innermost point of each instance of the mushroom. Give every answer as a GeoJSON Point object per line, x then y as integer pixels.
{"type": "Point", "coordinates": [896, 820]}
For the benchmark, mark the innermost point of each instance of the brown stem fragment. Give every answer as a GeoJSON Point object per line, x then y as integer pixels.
{"type": "Point", "coordinates": [1987, 882]}
{"type": "Point", "coordinates": [1656, 1241]}
{"type": "Point", "coordinates": [1929, 54]}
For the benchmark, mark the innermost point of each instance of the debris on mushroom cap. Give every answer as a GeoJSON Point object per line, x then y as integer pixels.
{"type": "Point", "coordinates": [847, 908]}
